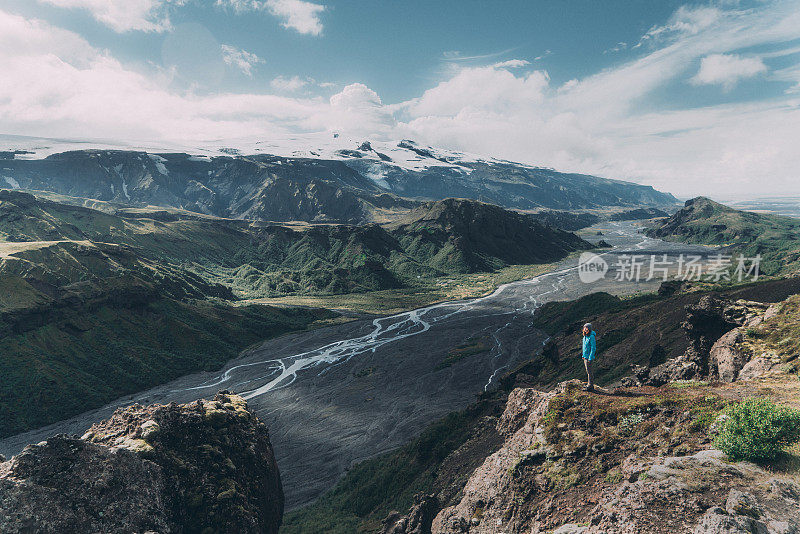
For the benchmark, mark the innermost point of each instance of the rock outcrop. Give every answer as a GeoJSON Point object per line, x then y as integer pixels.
{"type": "Point", "coordinates": [204, 467]}
{"type": "Point", "coordinates": [624, 463]}
{"type": "Point", "coordinates": [701, 493]}
{"type": "Point", "coordinates": [490, 493]}
{"type": "Point", "coordinates": [419, 517]}
{"type": "Point", "coordinates": [715, 327]}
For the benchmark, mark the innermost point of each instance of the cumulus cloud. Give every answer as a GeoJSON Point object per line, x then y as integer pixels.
{"type": "Point", "coordinates": [298, 15]}
{"type": "Point", "coordinates": [125, 15]}
{"type": "Point", "coordinates": [56, 84]}
{"type": "Point", "coordinates": [358, 109]}
{"type": "Point", "coordinates": [727, 69]}
{"type": "Point", "coordinates": [241, 59]}
{"type": "Point", "coordinates": [485, 89]}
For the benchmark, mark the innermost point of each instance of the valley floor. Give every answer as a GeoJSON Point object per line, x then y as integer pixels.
{"type": "Point", "coordinates": [337, 395]}
{"type": "Point", "coordinates": [393, 301]}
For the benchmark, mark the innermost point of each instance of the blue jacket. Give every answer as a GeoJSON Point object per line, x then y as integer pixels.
{"type": "Point", "coordinates": [589, 346]}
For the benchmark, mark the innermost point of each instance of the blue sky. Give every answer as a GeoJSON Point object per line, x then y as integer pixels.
{"type": "Point", "coordinates": [399, 49]}
{"type": "Point", "coordinates": [689, 97]}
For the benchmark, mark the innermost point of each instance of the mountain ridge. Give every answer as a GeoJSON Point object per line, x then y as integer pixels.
{"type": "Point", "coordinates": [347, 185]}
{"type": "Point", "coordinates": [773, 237]}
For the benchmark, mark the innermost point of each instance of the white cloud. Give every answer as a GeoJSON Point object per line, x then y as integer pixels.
{"type": "Point", "coordinates": [620, 46]}
{"type": "Point", "coordinates": [512, 64]}
{"type": "Point", "coordinates": [153, 15]}
{"type": "Point", "coordinates": [298, 84]}
{"type": "Point", "coordinates": [457, 56]}
{"type": "Point", "coordinates": [480, 89]}
{"type": "Point", "coordinates": [727, 69]}
{"type": "Point", "coordinates": [56, 84]}
{"type": "Point", "coordinates": [298, 15]}
{"type": "Point", "coordinates": [358, 109]}
{"type": "Point", "coordinates": [685, 21]}
{"type": "Point", "coordinates": [288, 84]}
{"type": "Point", "coordinates": [125, 15]}
{"type": "Point", "coordinates": [241, 59]}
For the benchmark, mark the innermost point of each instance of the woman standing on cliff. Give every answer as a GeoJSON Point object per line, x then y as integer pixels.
{"type": "Point", "coordinates": [589, 351]}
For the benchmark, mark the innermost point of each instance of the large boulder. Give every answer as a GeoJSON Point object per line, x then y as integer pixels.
{"type": "Point", "coordinates": [726, 357]}
{"type": "Point", "coordinates": [204, 467]}
{"type": "Point", "coordinates": [66, 484]}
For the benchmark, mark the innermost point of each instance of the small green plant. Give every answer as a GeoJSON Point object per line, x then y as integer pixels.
{"type": "Point", "coordinates": [757, 429]}
{"type": "Point", "coordinates": [754, 333]}
{"type": "Point", "coordinates": [628, 424]}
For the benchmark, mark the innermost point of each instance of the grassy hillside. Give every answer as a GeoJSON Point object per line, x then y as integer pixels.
{"type": "Point", "coordinates": [638, 214]}
{"type": "Point", "coordinates": [423, 293]}
{"type": "Point", "coordinates": [464, 236]}
{"type": "Point", "coordinates": [775, 238]}
{"type": "Point", "coordinates": [94, 306]}
{"type": "Point", "coordinates": [84, 345]}
{"type": "Point", "coordinates": [270, 260]}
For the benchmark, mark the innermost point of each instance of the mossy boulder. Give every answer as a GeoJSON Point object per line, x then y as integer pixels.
{"type": "Point", "coordinates": [207, 466]}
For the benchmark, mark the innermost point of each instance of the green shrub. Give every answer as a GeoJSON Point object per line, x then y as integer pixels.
{"type": "Point", "coordinates": [757, 429]}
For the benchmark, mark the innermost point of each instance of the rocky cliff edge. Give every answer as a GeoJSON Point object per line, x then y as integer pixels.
{"type": "Point", "coordinates": [206, 466]}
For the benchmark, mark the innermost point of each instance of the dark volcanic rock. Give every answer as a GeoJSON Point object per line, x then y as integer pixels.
{"type": "Point", "coordinates": [566, 220]}
{"type": "Point", "coordinates": [418, 520]}
{"type": "Point", "coordinates": [207, 466]}
{"type": "Point", "coordinates": [70, 485]}
{"type": "Point", "coordinates": [711, 326]}
{"type": "Point", "coordinates": [705, 322]}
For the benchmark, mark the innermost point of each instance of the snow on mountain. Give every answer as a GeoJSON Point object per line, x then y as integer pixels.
{"type": "Point", "coordinates": [202, 177]}
{"type": "Point", "coordinates": [405, 154]}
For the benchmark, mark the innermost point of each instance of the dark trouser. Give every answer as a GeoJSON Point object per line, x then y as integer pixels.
{"type": "Point", "coordinates": [589, 371]}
